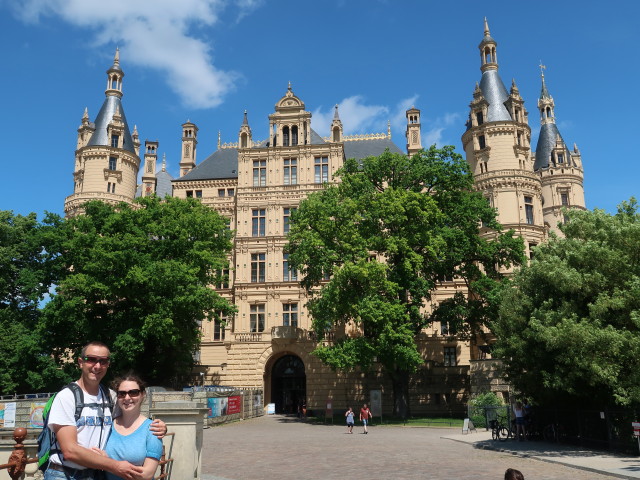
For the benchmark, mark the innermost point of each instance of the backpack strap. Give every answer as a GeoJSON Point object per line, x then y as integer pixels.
{"type": "Point", "coordinates": [106, 395]}
{"type": "Point", "coordinates": [78, 395]}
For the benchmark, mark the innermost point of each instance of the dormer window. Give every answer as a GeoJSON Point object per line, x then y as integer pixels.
{"type": "Point", "coordinates": [548, 112]}
{"type": "Point", "coordinates": [560, 157]}
{"type": "Point", "coordinates": [294, 135]}
{"type": "Point", "coordinates": [112, 163]}
{"type": "Point", "coordinates": [285, 136]}
{"type": "Point", "coordinates": [479, 118]}
{"type": "Point", "coordinates": [482, 142]}
{"type": "Point", "coordinates": [115, 140]}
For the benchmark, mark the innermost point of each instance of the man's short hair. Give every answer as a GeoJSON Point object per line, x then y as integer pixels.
{"type": "Point", "coordinates": [513, 474]}
{"type": "Point", "coordinates": [92, 344]}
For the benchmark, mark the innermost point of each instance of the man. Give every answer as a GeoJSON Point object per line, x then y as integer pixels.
{"type": "Point", "coordinates": [365, 415]}
{"type": "Point", "coordinates": [74, 458]}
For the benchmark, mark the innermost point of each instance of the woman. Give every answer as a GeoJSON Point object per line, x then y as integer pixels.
{"type": "Point", "coordinates": [130, 438]}
{"type": "Point", "coordinates": [518, 411]}
{"type": "Point", "coordinates": [349, 414]}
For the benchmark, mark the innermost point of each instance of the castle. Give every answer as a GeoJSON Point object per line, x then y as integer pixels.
{"type": "Point", "coordinates": [258, 184]}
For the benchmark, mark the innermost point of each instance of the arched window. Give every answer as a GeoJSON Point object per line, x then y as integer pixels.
{"type": "Point", "coordinates": [336, 134]}
{"type": "Point", "coordinates": [294, 135]}
{"type": "Point", "coordinates": [114, 82]}
{"type": "Point", "coordinates": [243, 140]}
{"type": "Point", "coordinates": [285, 136]}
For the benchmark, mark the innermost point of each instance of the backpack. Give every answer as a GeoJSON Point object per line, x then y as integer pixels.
{"type": "Point", "coordinates": [47, 443]}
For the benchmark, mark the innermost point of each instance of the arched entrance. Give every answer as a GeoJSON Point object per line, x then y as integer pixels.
{"type": "Point", "coordinates": [288, 384]}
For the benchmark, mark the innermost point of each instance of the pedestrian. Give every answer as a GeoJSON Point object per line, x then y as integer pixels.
{"type": "Point", "coordinates": [513, 474]}
{"type": "Point", "coordinates": [365, 415]}
{"type": "Point", "coordinates": [519, 412]}
{"type": "Point", "coordinates": [349, 414]}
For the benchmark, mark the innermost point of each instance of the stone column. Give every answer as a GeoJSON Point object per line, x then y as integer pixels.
{"type": "Point", "coordinates": [185, 419]}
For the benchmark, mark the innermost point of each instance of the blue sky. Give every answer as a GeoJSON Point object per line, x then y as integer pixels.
{"type": "Point", "coordinates": [209, 60]}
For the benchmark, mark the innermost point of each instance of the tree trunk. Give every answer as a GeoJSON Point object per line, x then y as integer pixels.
{"type": "Point", "coordinates": [400, 381]}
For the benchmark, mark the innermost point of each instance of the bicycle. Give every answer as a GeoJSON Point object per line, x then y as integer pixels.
{"type": "Point", "coordinates": [553, 432]}
{"type": "Point", "coordinates": [499, 431]}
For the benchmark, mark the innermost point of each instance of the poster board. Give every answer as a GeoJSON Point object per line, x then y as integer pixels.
{"type": "Point", "coordinates": [8, 415]}
{"type": "Point", "coordinates": [35, 414]}
{"type": "Point", "coordinates": [217, 406]}
{"type": "Point", "coordinates": [376, 402]}
{"type": "Point", "coordinates": [234, 404]}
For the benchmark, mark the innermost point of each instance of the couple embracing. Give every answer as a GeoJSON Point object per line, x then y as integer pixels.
{"type": "Point", "coordinates": [109, 436]}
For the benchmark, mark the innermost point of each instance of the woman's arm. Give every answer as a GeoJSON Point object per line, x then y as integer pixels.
{"type": "Point", "coordinates": [149, 468]}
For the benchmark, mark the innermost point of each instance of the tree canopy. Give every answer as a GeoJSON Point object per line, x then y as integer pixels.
{"type": "Point", "coordinates": [26, 274]}
{"type": "Point", "coordinates": [137, 278]}
{"type": "Point", "coordinates": [569, 329]}
{"type": "Point", "coordinates": [386, 235]}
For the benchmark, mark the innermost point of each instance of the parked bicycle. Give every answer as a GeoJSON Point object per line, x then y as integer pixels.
{"type": "Point", "coordinates": [554, 432]}
{"type": "Point", "coordinates": [499, 431]}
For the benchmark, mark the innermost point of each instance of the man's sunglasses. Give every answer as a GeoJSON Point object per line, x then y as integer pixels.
{"type": "Point", "coordinates": [132, 393]}
{"type": "Point", "coordinates": [93, 360]}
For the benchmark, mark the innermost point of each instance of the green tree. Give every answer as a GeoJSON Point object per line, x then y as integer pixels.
{"type": "Point", "coordinates": [569, 329]}
{"type": "Point", "coordinates": [139, 279]}
{"type": "Point", "coordinates": [26, 274]}
{"type": "Point", "coordinates": [386, 234]}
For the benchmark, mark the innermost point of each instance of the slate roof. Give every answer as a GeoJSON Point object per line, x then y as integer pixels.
{"type": "Point", "coordinates": [223, 163]}
{"type": "Point", "coordinates": [549, 134]}
{"type": "Point", "coordinates": [100, 136]}
{"type": "Point", "coordinates": [495, 93]}
{"type": "Point", "coordinates": [163, 184]}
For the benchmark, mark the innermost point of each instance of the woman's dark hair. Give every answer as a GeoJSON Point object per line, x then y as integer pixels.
{"type": "Point", "coordinates": [513, 474]}
{"type": "Point", "coordinates": [128, 377]}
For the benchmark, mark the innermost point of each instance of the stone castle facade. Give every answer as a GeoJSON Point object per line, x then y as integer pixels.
{"type": "Point", "coordinates": [258, 184]}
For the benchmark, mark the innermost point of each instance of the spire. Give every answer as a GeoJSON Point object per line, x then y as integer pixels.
{"type": "Point", "coordinates": [245, 121]}
{"type": "Point", "coordinates": [545, 102]}
{"type": "Point", "coordinates": [116, 60]}
{"type": "Point", "coordinates": [335, 113]}
{"type": "Point", "coordinates": [544, 93]}
{"type": "Point", "coordinates": [487, 33]}
{"type": "Point", "coordinates": [85, 116]}
{"type": "Point", "coordinates": [488, 55]}
{"type": "Point", "coordinates": [164, 162]}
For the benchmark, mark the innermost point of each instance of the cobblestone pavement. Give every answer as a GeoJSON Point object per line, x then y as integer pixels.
{"type": "Point", "coordinates": [284, 448]}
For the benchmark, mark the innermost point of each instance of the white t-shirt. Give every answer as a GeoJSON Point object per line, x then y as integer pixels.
{"type": "Point", "coordinates": [93, 425]}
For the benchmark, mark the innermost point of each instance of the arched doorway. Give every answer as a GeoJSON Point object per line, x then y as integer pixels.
{"type": "Point", "coordinates": [288, 384]}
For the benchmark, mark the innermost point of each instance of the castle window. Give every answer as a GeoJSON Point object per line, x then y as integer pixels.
{"type": "Point", "coordinates": [259, 173]}
{"type": "Point", "coordinates": [114, 82]}
{"type": "Point", "coordinates": [290, 314]}
{"type": "Point", "coordinates": [528, 208]}
{"type": "Point", "coordinates": [519, 138]}
{"type": "Point", "coordinates": [258, 267]}
{"type": "Point", "coordinates": [548, 112]}
{"type": "Point", "coordinates": [479, 118]}
{"type": "Point", "coordinates": [115, 140]}
{"type": "Point", "coordinates": [294, 135]}
{"type": "Point", "coordinates": [321, 170]}
{"type": "Point", "coordinates": [336, 134]}
{"type": "Point", "coordinates": [564, 199]}
{"type": "Point", "coordinates": [243, 140]}
{"type": "Point", "coordinates": [221, 192]}
{"type": "Point", "coordinates": [285, 136]}
{"type": "Point", "coordinates": [258, 222]}
{"type": "Point", "coordinates": [256, 317]}
{"type": "Point", "coordinates": [290, 171]}
{"type": "Point", "coordinates": [218, 328]}
{"type": "Point", "coordinates": [450, 356]}
{"type": "Point", "coordinates": [198, 193]}
{"type": "Point", "coordinates": [288, 274]}
{"type": "Point", "coordinates": [189, 193]}
{"type": "Point", "coordinates": [223, 280]}
{"type": "Point", "coordinates": [113, 161]}
{"type": "Point", "coordinates": [286, 219]}
{"type": "Point", "coordinates": [560, 157]}
{"type": "Point", "coordinates": [531, 247]}
{"type": "Point", "coordinates": [482, 142]}
{"type": "Point", "coordinates": [230, 192]}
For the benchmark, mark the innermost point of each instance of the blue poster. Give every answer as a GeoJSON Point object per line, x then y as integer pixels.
{"type": "Point", "coordinates": [217, 406]}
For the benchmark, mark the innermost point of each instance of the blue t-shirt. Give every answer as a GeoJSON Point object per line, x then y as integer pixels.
{"type": "Point", "coordinates": [133, 448]}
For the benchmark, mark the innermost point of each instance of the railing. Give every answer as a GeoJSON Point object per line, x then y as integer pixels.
{"type": "Point", "coordinates": [165, 472]}
{"type": "Point", "coordinates": [18, 460]}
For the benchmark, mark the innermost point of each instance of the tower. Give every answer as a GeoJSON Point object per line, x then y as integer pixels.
{"type": "Point", "coordinates": [244, 136]}
{"type": "Point", "coordinates": [497, 147]}
{"type": "Point", "coordinates": [290, 125]}
{"type": "Point", "coordinates": [560, 169]}
{"type": "Point", "coordinates": [149, 175]}
{"type": "Point", "coordinates": [414, 142]}
{"type": "Point", "coordinates": [336, 127]}
{"type": "Point", "coordinates": [107, 161]}
{"type": "Point", "coordinates": [189, 143]}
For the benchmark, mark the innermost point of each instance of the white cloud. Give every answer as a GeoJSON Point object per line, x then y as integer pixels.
{"type": "Point", "coordinates": [155, 34]}
{"type": "Point", "coordinates": [437, 128]}
{"type": "Point", "coordinates": [355, 115]}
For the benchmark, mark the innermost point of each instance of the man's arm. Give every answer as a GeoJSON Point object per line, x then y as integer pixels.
{"type": "Point", "coordinates": [158, 428]}
{"type": "Point", "coordinates": [67, 436]}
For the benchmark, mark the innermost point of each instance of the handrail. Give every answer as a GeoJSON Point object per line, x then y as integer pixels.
{"type": "Point", "coordinates": [165, 461]}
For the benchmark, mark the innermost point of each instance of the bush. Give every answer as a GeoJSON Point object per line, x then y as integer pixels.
{"type": "Point", "coordinates": [477, 407]}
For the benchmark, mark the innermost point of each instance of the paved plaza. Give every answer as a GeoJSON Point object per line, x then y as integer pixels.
{"type": "Point", "coordinates": [284, 448]}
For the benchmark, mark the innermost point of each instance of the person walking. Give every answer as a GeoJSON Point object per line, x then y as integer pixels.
{"type": "Point", "coordinates": [365, 415]}
{"type": "Point", "coordinates": [349, 414]}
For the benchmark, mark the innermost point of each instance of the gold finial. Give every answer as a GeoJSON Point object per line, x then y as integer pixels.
{"type": "Point", "coordinates": [486, 28]}
{"type": "Point", "coordinates": [542, 68]}
{"type": "Point", "coordinates": [289, 87]}
{"type": "Point", "coordinates": [219, 140]}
